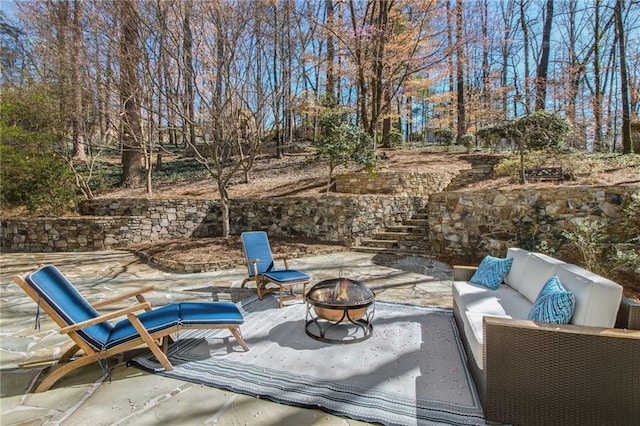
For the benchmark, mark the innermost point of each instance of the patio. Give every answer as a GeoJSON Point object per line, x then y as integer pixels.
{"type": "Point", "coordinates": [137, 397]}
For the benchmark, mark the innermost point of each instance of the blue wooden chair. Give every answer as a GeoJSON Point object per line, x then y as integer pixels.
{"type": "Point", "coordinates": [97, 338]}
{"type": "Point", "coordinates": [262, 269]}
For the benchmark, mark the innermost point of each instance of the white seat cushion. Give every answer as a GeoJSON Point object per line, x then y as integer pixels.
{"type": "Point", "coordinates": [475, 333]}
{"type": "Point", "coordinates": [476, 301]}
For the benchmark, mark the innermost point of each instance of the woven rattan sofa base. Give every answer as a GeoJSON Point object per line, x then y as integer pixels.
{"type": "Point", "coordinates": [537, 374]}
{"type": "Point", "coordinates": [554, 374]}
{"type": "Point", "coordinates": [560, 374]}
{"type": "Point", "coordinates": [628, 315]}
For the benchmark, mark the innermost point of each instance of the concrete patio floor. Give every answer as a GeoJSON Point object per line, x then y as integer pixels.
{"type": "Point", "coordinates": [132, 396]}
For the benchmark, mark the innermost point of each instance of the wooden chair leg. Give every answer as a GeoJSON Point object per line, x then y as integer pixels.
{"type": "Point", "coordinates": [235, 330]}
{"type": "Point", "coordinates": [69, 353]}
{"type": "Point", "coordinates": [62, 370]}
{"type": "Point", "coordinates": [157, 351]}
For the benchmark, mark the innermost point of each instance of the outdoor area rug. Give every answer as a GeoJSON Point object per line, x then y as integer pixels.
{"type": "Point", "coordinates": [411, 371]}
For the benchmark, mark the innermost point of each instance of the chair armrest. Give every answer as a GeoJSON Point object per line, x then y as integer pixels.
{"type": "Point", "coordinates": [540, 373]}
{"type": "Point", "coordinates": [137, 294]}
{"type": "Point", "coordinates": [284, 259]}
{"type": "Point", "coordinates": [628, 314]}
{"type": "Point", "coordinates": [106, 317]}
{"type": "Point", "coordinates": [253, 266]}
{"type": "Point", "coordinates": [463, 273]}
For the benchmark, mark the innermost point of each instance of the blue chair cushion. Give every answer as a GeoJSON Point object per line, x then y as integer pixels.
{"type": "Point", "coordinates": [216, 313]}
{"type": "Point", "coordinates": [491, 272]}
{"type": "Point", "coordinates": [69, 304]}
{"type": "Point", "coordinates": [554, 304]}
{"type": "Point", "coordinates": [156, 320]}
{"type": "Point", "coordinates": [187, 314]}
{"type": "Point", "coordinates": [256, 247]}
{"type": "Point", "coordinates": [287, 276]}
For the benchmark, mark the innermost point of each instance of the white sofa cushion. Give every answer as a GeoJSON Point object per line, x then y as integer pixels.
{"type": "Point", "coordinates": [475, 334]}
{"type": "Point", "coordinates": [476, 301]}
{"type": "Point", "coordinates": [516, 273]}
{"type": "Point", "coordinates": [597, 298]}
{"type": "Point", "coordinates": [538, 269]}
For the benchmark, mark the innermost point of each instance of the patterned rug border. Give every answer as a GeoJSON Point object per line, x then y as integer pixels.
{"type": "Point", "coordinates": [337, 398]}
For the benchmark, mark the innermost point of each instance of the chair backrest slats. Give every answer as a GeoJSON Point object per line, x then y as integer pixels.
{"type": "Point", "coordinates": [54, 289]}
{"type": "Point", "coordinates": [256, 246]}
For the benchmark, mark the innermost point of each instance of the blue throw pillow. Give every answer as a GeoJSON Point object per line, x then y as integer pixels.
{"type": "Point", "coordinates": [491, 272]}
{"type": "Point", "coordinates": [554, 303]}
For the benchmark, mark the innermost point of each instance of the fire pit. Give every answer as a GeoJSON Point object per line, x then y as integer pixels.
{"type": "Point", "coordinates": [339, 310]}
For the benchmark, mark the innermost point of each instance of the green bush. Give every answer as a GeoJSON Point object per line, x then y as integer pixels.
{"type": "Point", "coordinates": [492, 134]}
{"type": "Point", "coordinates": [342, 142]}
{"type": "Point", "coordinates": [445, 136]}
{"type": "Point", "coordinates": [542, 130]}
{"type": "Point", "coordinates": [468, 141]}
{"type": "Point", "coordinates": [32, 174]}
{"type": "Point", "coordinates": [39, 181]}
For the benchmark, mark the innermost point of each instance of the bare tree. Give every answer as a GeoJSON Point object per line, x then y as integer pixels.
{"type": "Point", "coordinates": [543, 65]}
{"type": "Point", "coordinates": [131, 126]}
{"type": "Point", "coordinates": [624, 82]}
{"type": "Point", "coordinates": [460, 65]}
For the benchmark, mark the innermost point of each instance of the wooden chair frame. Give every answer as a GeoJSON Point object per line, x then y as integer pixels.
{"type": "Point", "coordinates": [157, 342]}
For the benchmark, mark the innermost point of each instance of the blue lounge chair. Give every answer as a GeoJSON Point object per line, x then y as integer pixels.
{"type": "Point", "coordinates": [263, 271]}
{"type": "Point", "coordinates": [98, 339]}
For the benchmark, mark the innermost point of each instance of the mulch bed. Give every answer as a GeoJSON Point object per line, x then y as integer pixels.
{"type": "Point", "coordinates": [212, 254]}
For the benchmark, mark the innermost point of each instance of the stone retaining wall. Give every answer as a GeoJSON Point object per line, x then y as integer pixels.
{"type": "Point", "coordinates": [468, 223]}
{"type": "Point", "coordinates": [393, 183]}
{"type": "Point", "coordinates": [460, 223]}
{"type": "Point", "coordinates": [46, 234]}
{"type": "Point", "coordinates": [108, 224]}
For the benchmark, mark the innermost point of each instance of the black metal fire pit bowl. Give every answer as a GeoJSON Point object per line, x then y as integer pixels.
{"type": "Point", "coordinates": [340, 310]}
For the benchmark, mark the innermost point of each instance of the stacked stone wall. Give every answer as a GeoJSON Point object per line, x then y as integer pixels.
{"type": "Point", "coordinates": [460, 223]}
{"type": "Point", "coordinates": [473, 223]}
{"type": "Point", "coordinates": [393, 183]}
{"type": "Point", "coordinates": [46, 234]}
{"type": "Point", "coordinates": [109, 224]}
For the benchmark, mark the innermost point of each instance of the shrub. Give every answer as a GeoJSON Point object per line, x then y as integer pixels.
{"type": "Point", "coordinates": [541, 130]}
{"type": "Point", "coordinates": [33, 175]}
{"type": "Point", "coordinates": [491, 135]}
{"type": "Point", "coordinates": [39, 181]}
{"type": "Point", "coordinates": [343, 142]}
{"type": "Point", "coordinates": [445, 136]}
{"type": "Point", "coordinates": [468, 141]}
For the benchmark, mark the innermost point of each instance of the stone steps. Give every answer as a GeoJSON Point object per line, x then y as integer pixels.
{"type": "Point", "coordinates": [409, 238]}
{"type": "Point", "coordinates": [481, 169]}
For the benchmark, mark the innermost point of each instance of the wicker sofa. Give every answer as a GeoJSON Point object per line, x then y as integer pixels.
{"type": "Point", "coordinates": [526, 372]}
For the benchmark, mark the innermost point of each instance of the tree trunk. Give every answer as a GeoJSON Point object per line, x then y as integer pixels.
{"type": "Point", "coordinates": [525, 44]}
{"type": "Point", "coordinates": [331, 77]}
{"type": "Point", "coordinates": [543, 66]}
{"type": "Point", "coordinates": [462, 116]}
{"type": "Point", "coordinates": [76, 86]}
{"type": "Point", "coordinates": [624, 82]}
{"type": "Point", "coordinates": [597, 91]}
{"type": "Point", "coordinates": [506, 50]}
{"type": "Point", "coordinates": [131, 128]}
{"type": "Point", "coordinates": [450, 63]}
{"type": "Point", "coordinates": [189, 79]}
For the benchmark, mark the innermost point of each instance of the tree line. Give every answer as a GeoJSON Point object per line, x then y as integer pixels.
{"type": "Point", "coordinates": [229, 77]}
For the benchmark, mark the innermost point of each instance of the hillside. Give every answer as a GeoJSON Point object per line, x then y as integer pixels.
{"type": "Point", "coordinates": [296, 175]}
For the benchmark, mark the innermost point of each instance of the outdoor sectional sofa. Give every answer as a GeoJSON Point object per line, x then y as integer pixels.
{"type": "Point", "coordinates": [531, 372]}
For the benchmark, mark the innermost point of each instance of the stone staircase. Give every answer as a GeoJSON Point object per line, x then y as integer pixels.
{"type": "Point", "coordinates": [481, 169]}
{"type": "Point", "coordinates": [411, 237]}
